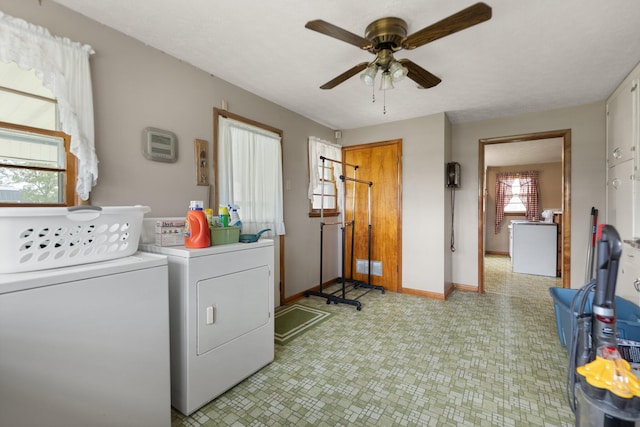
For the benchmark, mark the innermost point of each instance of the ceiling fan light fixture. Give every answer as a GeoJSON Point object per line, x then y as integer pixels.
{"type": "Point", "coordinates": [386, 82]}
{"type": "Point", "coordinates": [368, 76]}
{"type": "Point", "coordinates": [397, 71]}
{"type": "Point", "coordinates": [386, 36]}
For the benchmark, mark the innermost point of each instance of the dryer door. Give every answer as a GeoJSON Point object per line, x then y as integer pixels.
{"type": "Point", "coordinates": [232, 305]}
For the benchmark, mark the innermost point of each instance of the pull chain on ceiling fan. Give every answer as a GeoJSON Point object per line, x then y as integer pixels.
{"type": "Point", "coordinates": [385, 36]}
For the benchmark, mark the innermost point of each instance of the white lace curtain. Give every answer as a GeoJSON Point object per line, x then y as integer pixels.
{"type": "Point", "coordinates": [63, 67]}
{"type": "Point", "coordinates": [250, 175]}
{"type": "Point", "coordinates": [317, 148]}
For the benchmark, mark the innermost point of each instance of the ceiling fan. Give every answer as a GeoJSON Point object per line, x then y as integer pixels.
{"type": "Point", "coordinates": [385, 36]}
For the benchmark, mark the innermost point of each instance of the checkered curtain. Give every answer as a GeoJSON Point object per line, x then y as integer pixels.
{"type": "Point", "coordinates": [528, 195]}
{"type": "Point", "coordinates": [504, 181]}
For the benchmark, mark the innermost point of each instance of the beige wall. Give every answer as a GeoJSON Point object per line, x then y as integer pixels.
{"type": "Point", "coordinates": [550, 197]}
{"type": "Point", "coordinates": [587, 124]}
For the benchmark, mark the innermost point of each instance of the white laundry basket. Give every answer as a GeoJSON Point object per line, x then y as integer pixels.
{"type": "Point", "coordinates": [36, 238]}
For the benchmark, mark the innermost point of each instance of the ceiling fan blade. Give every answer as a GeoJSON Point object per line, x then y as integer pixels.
{"type": "Point", "coordinates": [466, 18]}
{"type": "Point", "coordinates": [419, 75]}
{"type": "Point", "coordinates": [345, 76]}
{"type": "Point", "coordinates": [331, 30]}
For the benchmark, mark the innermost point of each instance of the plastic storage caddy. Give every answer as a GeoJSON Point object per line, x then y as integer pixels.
{"type": "Point", "coordinates": [224, 235]}
{"type": "Point", "coordinates": [37, 238]}
{"type": "Point", "coordinates": [627, 315]}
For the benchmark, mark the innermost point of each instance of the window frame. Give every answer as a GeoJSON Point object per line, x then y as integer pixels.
{"type": "Point", "coordinates": [69, 171]}
{"type": "Point", "coordinates": [315, 212]}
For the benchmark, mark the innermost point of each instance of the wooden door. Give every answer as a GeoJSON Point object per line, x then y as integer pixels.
{"type": "Point", "coordinates": [379, 163]}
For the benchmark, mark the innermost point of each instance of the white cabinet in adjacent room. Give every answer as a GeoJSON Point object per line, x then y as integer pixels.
{"type": "Point", "coordinates": [534, 248]}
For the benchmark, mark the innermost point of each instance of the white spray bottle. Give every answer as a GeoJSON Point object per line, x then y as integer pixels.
{"type": "Point", "coordinates": [234, 218]}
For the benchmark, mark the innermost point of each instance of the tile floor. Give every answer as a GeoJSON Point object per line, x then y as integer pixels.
{"type": "Point", "coordinates": [489, 359]}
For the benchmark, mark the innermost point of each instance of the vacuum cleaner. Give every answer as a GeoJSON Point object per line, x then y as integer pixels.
{"type": "Point", "coordinates": [601, 389]}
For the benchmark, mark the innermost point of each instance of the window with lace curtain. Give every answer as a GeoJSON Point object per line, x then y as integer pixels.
{"type": "Point", "coordinates": [36, 166]}
{"type": "Point", "coordinates": [517, 192]}
{"type": "Point", "coordinates": [62, 67]}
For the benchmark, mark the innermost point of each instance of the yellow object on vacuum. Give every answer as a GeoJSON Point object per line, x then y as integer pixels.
{"type": "Point", "coordinates": [610, 372]}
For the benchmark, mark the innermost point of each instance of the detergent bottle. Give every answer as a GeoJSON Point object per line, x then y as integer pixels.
{"type": "Point", "coordinates": [196, 227]}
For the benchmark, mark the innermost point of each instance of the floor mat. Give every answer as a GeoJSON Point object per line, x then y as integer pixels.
{"type": "Point", "coordinates": [293, 321]}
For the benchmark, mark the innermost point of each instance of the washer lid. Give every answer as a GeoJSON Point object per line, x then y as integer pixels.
{"type": "Point", "coordinates": [13, 282]}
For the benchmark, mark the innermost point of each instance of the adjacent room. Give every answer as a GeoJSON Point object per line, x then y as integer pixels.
{"type": "Point", "coordinates": [317, 213]}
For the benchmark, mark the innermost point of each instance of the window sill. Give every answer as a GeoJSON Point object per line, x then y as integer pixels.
{"type": "Point", "coordinates": [317, 214]}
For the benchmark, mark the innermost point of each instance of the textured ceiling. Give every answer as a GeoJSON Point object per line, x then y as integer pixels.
{"type": "Point", "coordinates": [531, 56]}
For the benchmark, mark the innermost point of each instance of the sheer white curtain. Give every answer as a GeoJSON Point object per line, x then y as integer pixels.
{"type": "Point", "coordinates": [317, 148]}
{"type": "Point", "coordinates": [250, 175]}
{"type": "Point", "coordinates": [63, 67]}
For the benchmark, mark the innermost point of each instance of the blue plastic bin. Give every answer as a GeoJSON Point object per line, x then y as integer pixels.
{"type": "Point", "coordinates": [627, 314]}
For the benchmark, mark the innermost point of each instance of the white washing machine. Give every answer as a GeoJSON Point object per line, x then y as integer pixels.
{"type": "Point", "coordinates": [86, 345]}
{"type": "Point", "coordinates": [221, 317]}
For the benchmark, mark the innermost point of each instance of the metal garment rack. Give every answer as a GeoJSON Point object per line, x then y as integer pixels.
{"type": "Point", "coordinates": [348, 284]}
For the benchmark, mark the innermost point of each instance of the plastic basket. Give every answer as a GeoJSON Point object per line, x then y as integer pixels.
{"type": "Point", "coordinates": [627, 315]}
{"type": "Point", "coordinates": [41, 238]}
{"type": "Point", "coordinates": [224, 235]}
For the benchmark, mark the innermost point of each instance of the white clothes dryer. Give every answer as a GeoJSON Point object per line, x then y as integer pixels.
{"type": "Point", "coordinates": [221, 316]}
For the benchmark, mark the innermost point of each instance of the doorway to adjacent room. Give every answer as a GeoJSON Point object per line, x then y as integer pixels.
{"type": "Point", "coordinates": [565, 136]}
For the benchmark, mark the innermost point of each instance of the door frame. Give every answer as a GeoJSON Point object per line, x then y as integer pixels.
{"type": "Point", "coordinates": [565, 134]}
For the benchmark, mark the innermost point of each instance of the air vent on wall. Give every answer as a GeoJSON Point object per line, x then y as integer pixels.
{"type": "Point", "coordinates": [159, 145]}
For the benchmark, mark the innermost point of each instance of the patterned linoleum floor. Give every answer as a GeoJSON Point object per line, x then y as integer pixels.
{"type": "Point", "coordinates": [489, 359]}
